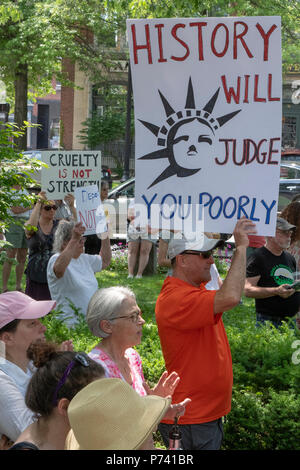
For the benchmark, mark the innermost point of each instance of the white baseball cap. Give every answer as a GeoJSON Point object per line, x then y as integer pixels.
{"type": "Point", "coordinates": [177, 246]}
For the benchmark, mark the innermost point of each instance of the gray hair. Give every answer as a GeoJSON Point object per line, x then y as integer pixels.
{"type": "Point", "coordinates": [104, 305]}
{"type": "Point", "coordinates": [62, 234]}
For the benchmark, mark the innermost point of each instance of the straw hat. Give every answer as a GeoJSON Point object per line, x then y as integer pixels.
{"type": "Point", "coordinates": [108, 414]}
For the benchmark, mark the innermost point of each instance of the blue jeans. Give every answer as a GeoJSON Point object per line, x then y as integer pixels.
{"type": "Point", "coordinates": [204, 436]}
{"type": "Point", "coordinates": [261, 319]}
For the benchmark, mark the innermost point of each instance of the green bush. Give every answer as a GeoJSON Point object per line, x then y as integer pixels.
{"type": "Point", "coordinates": [262, 358]}
{"type": "Point", "coordinates": [253, 424]}
{"type": "Point", "coordinates": [150, 351]}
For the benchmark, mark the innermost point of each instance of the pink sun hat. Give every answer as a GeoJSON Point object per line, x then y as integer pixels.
{"type": "Point", "coordinates": [18, 306]}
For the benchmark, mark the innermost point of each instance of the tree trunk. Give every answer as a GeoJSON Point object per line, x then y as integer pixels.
{"type": "Point", "coordinates": [21, 90]}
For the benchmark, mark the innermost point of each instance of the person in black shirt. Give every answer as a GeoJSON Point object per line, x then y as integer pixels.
{"type": "Point", "coordinates": [270, 272]}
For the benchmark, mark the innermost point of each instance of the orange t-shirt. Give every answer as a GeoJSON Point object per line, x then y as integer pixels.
{"type": "Point", "coordinates": [194, 344]}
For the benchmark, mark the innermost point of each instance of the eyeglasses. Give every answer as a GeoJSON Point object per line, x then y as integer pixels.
{"type": "Point", "coordinates": [134, 317]}
{"type": "Point", "coordinates": [48, 208]}
{"type": "Point", "coordinates": [79, 358]}
{"type": "Point", "coordinates": [203, 254]}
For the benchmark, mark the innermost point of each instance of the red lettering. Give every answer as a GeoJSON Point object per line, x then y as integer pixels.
{"type": "Point", "coordinates": [246, 88]}
{"type": "Point", "coordinates": [142, 46]}
{"type": "Point", "coordinates": [234, 154]}
{"type": "Point", "coordinates": [231, 93]}
{"type": "Point", "coordinates": [199, 25]}
{"type": "Point", "coordinates": [264, 154]}
{"type": "Point", "coordinates": [62, 173]}
{"type": "Point", "coordinates": [160, 46]}
{"type": "Point", "coordinates": [173, 32]}
{"type": "Point", "coordinates": [270, 98]}
{"type": "Point", "coordinates": [266, 37]}
{"type": "Point", "coordinates": [251, 152]}
{"type": "Point", "coordinates": [81, 218]}
{"type": "Point", "coordinates": [81, 173]}
{"type": "Point", "coordinates": [246, 151]}
{"type": "Point", "coordinates": [256, 97]}
{"type": "Point", "coordinates": [89, 219]}
{"type": "Point", "coordinates": [240, 37]}
{"type": "Point", "coordinates": [218, 162]}
{"type": "Point", "coordinates": [272, 150]}
{"type": "Point", "coordinates": [213, 37]}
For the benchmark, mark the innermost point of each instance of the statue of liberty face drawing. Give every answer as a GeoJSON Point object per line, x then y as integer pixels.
{"type": "Point", "coordinates": [187, 136]}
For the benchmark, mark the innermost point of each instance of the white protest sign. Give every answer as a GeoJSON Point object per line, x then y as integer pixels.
{"type": "Point", "coordinates": [90, 210]}
{"type": "Point", "coordinates": [207, 99]}
{"type": "Point", "coordinates": [69, 169]}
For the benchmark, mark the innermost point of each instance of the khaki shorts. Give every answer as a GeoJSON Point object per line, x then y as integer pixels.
{"type": "Point", "coordinates": [16, 234]}
{"type": "Point", "coordinates": [136, 234]}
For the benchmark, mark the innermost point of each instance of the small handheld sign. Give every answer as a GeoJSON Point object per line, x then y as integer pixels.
{"type": "Point", "coordinates": [90, 210]}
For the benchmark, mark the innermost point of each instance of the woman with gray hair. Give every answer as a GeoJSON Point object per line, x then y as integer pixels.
{"type": "Point", "coordinates": [71, 272]}
{"type": "Point", "coordinates": [114, 316]}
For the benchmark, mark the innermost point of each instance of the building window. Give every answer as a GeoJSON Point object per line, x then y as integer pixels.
{"type": "Point", "coordinates": [289, 132]}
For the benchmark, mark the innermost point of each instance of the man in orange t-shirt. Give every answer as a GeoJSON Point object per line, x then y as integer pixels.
{"type": "Point", "coordinates": [193, 338]}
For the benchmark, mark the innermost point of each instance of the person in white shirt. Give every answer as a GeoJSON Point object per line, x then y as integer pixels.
{"type": "Point", "coordinates": [19, 326]}
{"type": "Point", "coordinates": [66, 208]}
{"type": "Point", "coordinates": [71, 272]}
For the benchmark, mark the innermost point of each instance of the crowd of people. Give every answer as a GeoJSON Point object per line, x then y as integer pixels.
{"type": "Point", "coordinates": [53, 397]}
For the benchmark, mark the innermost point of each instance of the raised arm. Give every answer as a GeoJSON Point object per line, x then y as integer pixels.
{"type": "Point", "coordinates": [162, 257]}
{"type": "Point", "coordinates": [68, 252]}
{"type": "Point", "coordinates": [105, 251]}
{"type": "Point", "coordinates": [230, 293]}
{"type": "Point", "coordinates": [70, 200]}
{"type": "Point", "coordinates": [35, 215]}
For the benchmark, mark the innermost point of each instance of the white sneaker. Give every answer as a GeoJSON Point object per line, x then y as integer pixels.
{"type": "Point", "coordinates": [138, 276]}
{"type": "Point", "coordinates": [130, 276]}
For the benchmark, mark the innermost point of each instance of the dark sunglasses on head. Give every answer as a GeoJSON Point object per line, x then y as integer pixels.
{"type": "Point", "coordinates": [78, 359]}
{"type": "Point", "coordinates": [203, 254]}
{"type": "Point", "coordinates": [48, 208]}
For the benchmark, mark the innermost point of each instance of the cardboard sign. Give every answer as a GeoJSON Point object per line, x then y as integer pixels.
{"type": "Point", "coordinates": [68, 170]}
{"type": "Point", "coordinates": [90, 210]}
{"type": "Point", "coordinates": [207, 99]}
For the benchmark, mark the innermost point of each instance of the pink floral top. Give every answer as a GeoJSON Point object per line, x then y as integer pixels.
{"type": "Point", "coordinates": [112, 370]}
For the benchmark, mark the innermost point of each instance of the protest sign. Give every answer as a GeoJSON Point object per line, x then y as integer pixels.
{"type": "Point", "coordinates": [90, 210]}
{"type": "Point", "coordinates": [207, 99]}
{"type": "Point", "coordinates": [69, 169]}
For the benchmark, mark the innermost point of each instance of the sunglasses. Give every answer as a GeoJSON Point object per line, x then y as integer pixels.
{"type": "Point", "coordinates": [203, 254]}
{"type": "Point", "coordinates": [79, 359]}
{"type": "Point", "coordinates": [48, 208]}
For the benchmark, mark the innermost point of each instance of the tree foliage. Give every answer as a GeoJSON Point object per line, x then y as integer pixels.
{"type": "Point", "coordinates": [36, 34]}
{"type": "Point", "coordinates": [15, 170]}
{"type": "Point", "coordinates": [289, 10]}
{"type": "Point", "coordinates": [102, 129]}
